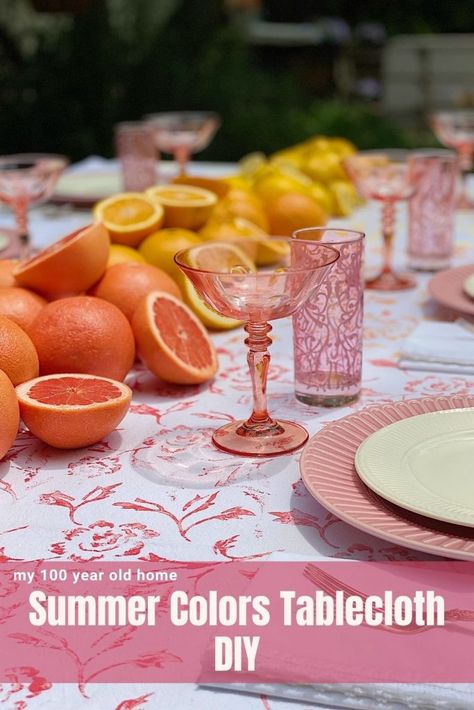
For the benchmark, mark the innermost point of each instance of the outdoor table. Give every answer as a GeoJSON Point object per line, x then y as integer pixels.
{"type": "Point", "coordinates": [205, 504]}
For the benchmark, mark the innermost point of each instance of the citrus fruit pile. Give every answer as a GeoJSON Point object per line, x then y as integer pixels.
{"type": "Point", "coordinates": [313, 168]}
{"type": "Point", "coordinates": [73, 319]}
{"type": "Point", "coordinates": [298, 187]}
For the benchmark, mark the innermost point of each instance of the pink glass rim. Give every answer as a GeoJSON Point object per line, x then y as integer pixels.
{"type": "Point", "coordinates": [349, 236]}
{"type": "Point", "coordinates": [435, 153]}
{"type": "Point", "coordinates": [179, 255]}
{"type": "Point", "coordinates": [27, 158]}
{"type": "Point", "coordinates": [155, 118]}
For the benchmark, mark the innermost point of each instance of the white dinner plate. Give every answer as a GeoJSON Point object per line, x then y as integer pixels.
{"type": "Point", "coordinates": [84, 189]}
{"type": "Point", "coordinates": [424, 464]}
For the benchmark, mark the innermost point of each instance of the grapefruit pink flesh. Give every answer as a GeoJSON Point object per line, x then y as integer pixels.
{"type": "Point", "coordinates": [71, 411]}
{"type": "Point", "coordinates": [172, 342]}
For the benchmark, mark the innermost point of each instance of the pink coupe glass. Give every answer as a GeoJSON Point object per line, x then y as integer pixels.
{"type": "Point", "coordinates": [257, 297]}
{"type": "Point", "coordinates": [386, 176]}
{"type": "Point", "coordinates": [455, 129]}
{"type": "Point", "coordinates": [183, 133]}
{"type": "Point", "coordinates": [27, 179]}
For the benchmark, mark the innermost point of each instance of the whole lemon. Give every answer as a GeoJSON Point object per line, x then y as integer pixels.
{"type": "Point", "coordinates": [160, 247]}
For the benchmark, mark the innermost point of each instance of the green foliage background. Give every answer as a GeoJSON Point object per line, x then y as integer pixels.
{"type": "Point", "coordinates": [66, 80]}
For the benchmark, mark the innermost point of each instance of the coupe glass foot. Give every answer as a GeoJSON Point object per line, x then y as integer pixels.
{"type": "Point", "coordinates": [390, 281]}
{"type": "Point", "coordinates": [286, 437]}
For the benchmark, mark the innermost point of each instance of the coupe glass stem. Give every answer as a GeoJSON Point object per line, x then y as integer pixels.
{"type": "Point", "coordinates": [20, 208]}
{"type": "Point", "coordinates": [388, 226]}
{"type": "Point", "coordinates": [465, 165]}
{"type": "Point", "coordinates": [181, 155]}
{"type": "Point", "coordinates": [258, 359]}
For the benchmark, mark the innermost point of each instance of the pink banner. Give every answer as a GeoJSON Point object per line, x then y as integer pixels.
{"type": "Point", "coordinates": [331, 622]}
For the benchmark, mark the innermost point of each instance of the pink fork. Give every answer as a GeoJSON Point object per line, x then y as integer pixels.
{"type": "Point", "coordinates": [329, 584]}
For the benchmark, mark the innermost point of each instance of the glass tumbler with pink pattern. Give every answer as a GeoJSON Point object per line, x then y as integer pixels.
{"type": "Point", "coordinates": [327, 330]}
{"type": "Point", "coordinates": [432, 209]}
{"type": "Point", "coordinates": [136, 153]}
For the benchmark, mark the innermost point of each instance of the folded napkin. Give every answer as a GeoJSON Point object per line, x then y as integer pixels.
{"type": "Point", "coordinates": [352, 695]}
{"type": "Point", "coordinates": [349, 696]}
{"type": "Point", "coordinates": [440, 347]}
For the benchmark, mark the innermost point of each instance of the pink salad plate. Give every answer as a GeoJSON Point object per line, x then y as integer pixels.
{"type": "Point", "coordinates": [447, 288]}
{"type": "Point", "coordinates": [328, 471]}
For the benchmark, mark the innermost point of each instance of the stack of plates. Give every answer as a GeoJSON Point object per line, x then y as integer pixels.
{"type": "Point", "coordinates": [403, 471]}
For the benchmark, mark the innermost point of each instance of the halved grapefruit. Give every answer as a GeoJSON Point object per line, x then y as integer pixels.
{"type": "Point", "coordinates": [69, 266]}
{"type": "Point", "coordinates": [70, 411]}
{"type": "Point", "coordinates": [172, 342]}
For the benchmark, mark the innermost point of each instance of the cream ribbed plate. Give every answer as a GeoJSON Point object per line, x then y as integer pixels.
{"type": "Point", "coordinates": [424, 464]}
{"type": "Point", "coordinates": [469, 286]}
{"type": "Point", "coordinates": [328, 470]}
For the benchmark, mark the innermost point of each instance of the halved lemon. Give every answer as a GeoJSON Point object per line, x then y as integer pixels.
{"type": "Point", "coordinates": [222, 260]}
{"type": "Point", "coordinates": [208, 317]}
{"type": "Point", "coordinates": [184, 206]}
{"type": "Point", "coordinates": [129, 217]}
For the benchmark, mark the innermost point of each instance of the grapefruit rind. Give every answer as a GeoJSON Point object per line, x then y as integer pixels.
{"type": "Point", "coordinates": [158, 357]}
{"type": "Point", "coordinates": [68, 266]}
{"type": "Point", "coordinates": [10, 414]}
{"type": "Point", "coordinates": [72, 426]}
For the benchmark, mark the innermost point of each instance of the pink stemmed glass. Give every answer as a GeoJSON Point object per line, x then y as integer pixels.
{"type": "Point", "coordinates": [455, 129]}
{"type": "Point", "coordinates": [386, 176]}
{"type": "Point", "coordinates": [27, 179]}
{"type": "Point", "coordinates": [256, 297]}
{"type": "Point", "coordinates": [183, 133]}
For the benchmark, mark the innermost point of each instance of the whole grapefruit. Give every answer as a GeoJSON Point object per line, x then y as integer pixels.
{"type": "Point", "coordinates": [9, 414]}
{"type": "Point", "coordinates": [126, 284]}
{"type": "Point", "coordinates": [20, 305]}
{"type": "Point", "coordinates": [83, 334]}
{"type": "Point", "coordinates": [18, 357]}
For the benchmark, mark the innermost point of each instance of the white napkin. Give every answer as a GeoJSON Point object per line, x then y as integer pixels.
{"type": "Point", "coordinates": [440, 347]}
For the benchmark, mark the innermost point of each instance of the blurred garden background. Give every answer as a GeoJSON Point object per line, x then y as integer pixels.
{"type": "Point", "coordinates": [277, 71]}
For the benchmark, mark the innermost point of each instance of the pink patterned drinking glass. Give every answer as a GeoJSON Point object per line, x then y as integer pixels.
{"type": "Point", "coordinates": [327, 330]}
{"type": "Point", "coordinates": [136, 153]}
{"type": "Point", "coordinates": [431, 210]}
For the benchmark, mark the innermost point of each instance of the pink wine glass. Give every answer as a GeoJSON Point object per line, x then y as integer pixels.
{"type": "Point", "coordinates": [183, 133]}
{"type": "Point", "coordinates": [455, 129]}
{"type": "Point", "coordinates": [386, 176]}
{"type": "Point", "coordinates": [256, 297]}
{"type": "Point", "coordinates": [27, 179]}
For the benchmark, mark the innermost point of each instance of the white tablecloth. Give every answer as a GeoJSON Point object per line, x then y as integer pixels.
{"type": "Point", "coordinates": [83, 504]}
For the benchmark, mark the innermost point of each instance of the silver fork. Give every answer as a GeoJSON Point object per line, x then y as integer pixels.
{"type": "Point", "coordinates": [329, 584]}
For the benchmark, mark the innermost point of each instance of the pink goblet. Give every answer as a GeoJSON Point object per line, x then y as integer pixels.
{"type": "Point", "coordinates": [27, 179]}
{"type": "Point", "coordinates": [183, 133]}
{"type": "Point", "coordinates": [227, 285]}
{"type": "Point", "coordinates": [386, 176]}
{"type": "Point", "coordinates": [455, 129]}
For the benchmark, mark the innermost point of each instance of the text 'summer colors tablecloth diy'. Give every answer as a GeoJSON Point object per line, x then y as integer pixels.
{"type": "Point", "coordinates": [157, 488]}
